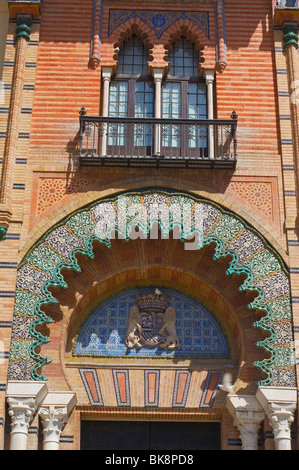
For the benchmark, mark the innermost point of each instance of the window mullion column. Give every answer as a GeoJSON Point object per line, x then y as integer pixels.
{"type": "Point", "coordinates": [130, 127]}
{"type": "Point", "coordinates": [158, 76]}
{"type": "Point", "coordinates": [106, 75]}
{"type": "Point", "coordinates": [209, 76]}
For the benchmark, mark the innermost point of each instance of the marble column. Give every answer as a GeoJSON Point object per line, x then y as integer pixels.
{"type": "Point", "coordinates": [106, 76]}
{"type": "Point", "coordinates": [247, 414]}
{"type": "Point", "coordinates": [23, 398]}
{"type": "Point", "coordinates": [279, 404]}
{"type": "Point", "coordinates": [158, 76]}
{"type": "Point", "coordinates": [209, 76]}
{"type": "Point", "coordinates": [54, 414]}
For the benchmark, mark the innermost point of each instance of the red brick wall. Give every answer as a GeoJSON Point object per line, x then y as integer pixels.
{"type": "Point", "coordinates": [64, 83]}
{"type": "Point", "coordinates": [248, 84]}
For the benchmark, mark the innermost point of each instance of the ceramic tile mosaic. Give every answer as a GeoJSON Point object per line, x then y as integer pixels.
{"type": "Point", "coordinates": [214, 378]}
{"type": "Point", "coordinates": [91, 383]}
{"type": "Point", "coordinates": [250, 253]}
{"type": "Point", "coordinates": [122, 387]}
{"type": "Point", "coordinates": [181, 388]}
{"type": "Point", "coordinates": [159, 21]}
{"type": "Point", "coordinates": [151, 387]}
{"type": "Point", "coordinates": [104, 332]}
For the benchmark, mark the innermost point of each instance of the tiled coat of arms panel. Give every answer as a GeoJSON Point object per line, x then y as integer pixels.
{"type": "Point", "coordinates": [192, 332]}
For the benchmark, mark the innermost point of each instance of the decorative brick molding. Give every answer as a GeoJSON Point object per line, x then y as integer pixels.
{"type": "Point", "coordinates": [258, 195]}
{"type": "Point", "coordinates": [24, 7]}
{"type": "Point", "coordinates": [158, 29]}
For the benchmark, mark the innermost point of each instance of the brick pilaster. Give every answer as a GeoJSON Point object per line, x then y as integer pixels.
{"type": "Point", "coordinates": [24, 17]}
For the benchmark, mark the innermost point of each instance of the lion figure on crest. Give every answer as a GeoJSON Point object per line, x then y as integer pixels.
{"type": "Point", "coordinates": [132, 340]}
{"type": "Point", "coordinates": [172, 341]}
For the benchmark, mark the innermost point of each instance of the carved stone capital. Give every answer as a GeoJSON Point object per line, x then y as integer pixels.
{"type": "Point", "coordinates": [23, 398]}
{"type": "Point", "coordinates": [248, 424]}
{"type": "Point", "coordinates": [281, 419]}
{"type": "Point", "coordinates": [158, 75]}
{"type": "Point", "coordinates": [54, 414]}
{"type": "Point", "coordinates": [248, 415]}
{"type": "Point", "coordinates": [21, 412]}
{"type": "Point", "coordinates": [53, 419]}
{"type": "Point", "coordinates": [209, 76]}
{"type": "Point", "coordinates": [107, 73]}
{"type": "Point", "coordinates": [221, 66]}
{"type": "Point", "coordinates": [279, 404]}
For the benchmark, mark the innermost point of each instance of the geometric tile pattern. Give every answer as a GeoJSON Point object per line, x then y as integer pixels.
{"type": "Point", "coordinates": [151, 387]}
{"type": "Point", "coordinates": [104, 331]}
{"type": "Point", "coordinates": [214, 378]}
{"type": "Point", "coordinates": [159, 20]}
{"type": "Point", "coordinates": [257, 194]}
{"type": "Point", "coordinates": [122, 387]}
{"type": "Point", "coordinates": [265, 272]}
{"type": "Point", "coordinates": [178, 387]}
{"type": "Point", "coordinates": [181, 388]}
{"type": "Point", "coordinates": [51, 190]}
{"type": "Point", "coordinates": [91, 383]}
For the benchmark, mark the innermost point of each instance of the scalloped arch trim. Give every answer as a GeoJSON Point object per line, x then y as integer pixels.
{"type": "Point", "coordinates": [158, 30]}
{"type": "Point", "coordinates": [251, 255]}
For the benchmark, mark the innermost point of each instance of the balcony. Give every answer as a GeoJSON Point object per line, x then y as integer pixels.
{"type": "Point", "coordinates": [172, 143]}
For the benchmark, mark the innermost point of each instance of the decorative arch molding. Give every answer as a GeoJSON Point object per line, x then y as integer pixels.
{"type": "Point", "coordinates": [156, 25]}
{"type": "Point", "coordinates": [123, 33]}
{"type": "Point", "coordinates": [193, 25]}
{"type": "Point", "coordinates": [185, 215]}
{"type": "Point", "coordinates": [185, 27]}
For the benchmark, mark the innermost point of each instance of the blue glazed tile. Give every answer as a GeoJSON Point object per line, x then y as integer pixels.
{"type": "Point", "coordinates": [104, 332]}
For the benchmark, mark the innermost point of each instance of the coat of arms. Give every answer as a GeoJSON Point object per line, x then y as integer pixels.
{"type": "Point", "coordinates": [152, 323]}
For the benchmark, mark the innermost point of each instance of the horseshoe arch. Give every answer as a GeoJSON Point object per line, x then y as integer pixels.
{"type": "Point", "coordinates": [251, 255]}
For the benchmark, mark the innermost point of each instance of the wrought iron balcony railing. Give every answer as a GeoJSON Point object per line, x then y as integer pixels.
{"type": "Point", "coordinates": [137, 142]}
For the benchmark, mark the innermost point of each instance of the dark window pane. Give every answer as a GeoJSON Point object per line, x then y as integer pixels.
{"type": "Point", "coordinates": [133, 57]}
{"type": "Point", "coordinates": [184, 59]}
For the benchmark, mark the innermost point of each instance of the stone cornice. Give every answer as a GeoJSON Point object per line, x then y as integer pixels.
{"type": "Point", "coordinates": [283, 14]}
{"type": "Point", "coordinates": [24, 7]}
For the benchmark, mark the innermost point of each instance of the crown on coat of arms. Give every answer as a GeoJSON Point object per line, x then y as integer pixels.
{"type": "Point", "coordinates": [155, 301]}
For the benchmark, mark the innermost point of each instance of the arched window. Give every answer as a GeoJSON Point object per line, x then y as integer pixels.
{"type": "Point", "coordinates": [134, 97]}
{"type": "Point", "coordinates": [131, 96]}
{"type": "Point", "coordinates": [184, 97]}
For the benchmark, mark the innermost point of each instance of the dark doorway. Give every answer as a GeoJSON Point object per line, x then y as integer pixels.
{"type": "Point", "coordinates": [143, 435]}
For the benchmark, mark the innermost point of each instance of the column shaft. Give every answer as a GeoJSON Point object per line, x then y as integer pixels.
{"type": "Point", "coordinates": [106, 75]}
{"type": "Point", "coordinates": [210, 103]}
{"type": "Point", "coordinates": [290, 39]}
{"type": "Point", "coordinates": [158, 75]}
{"type": "Point", "coordinates": [22, 36]}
